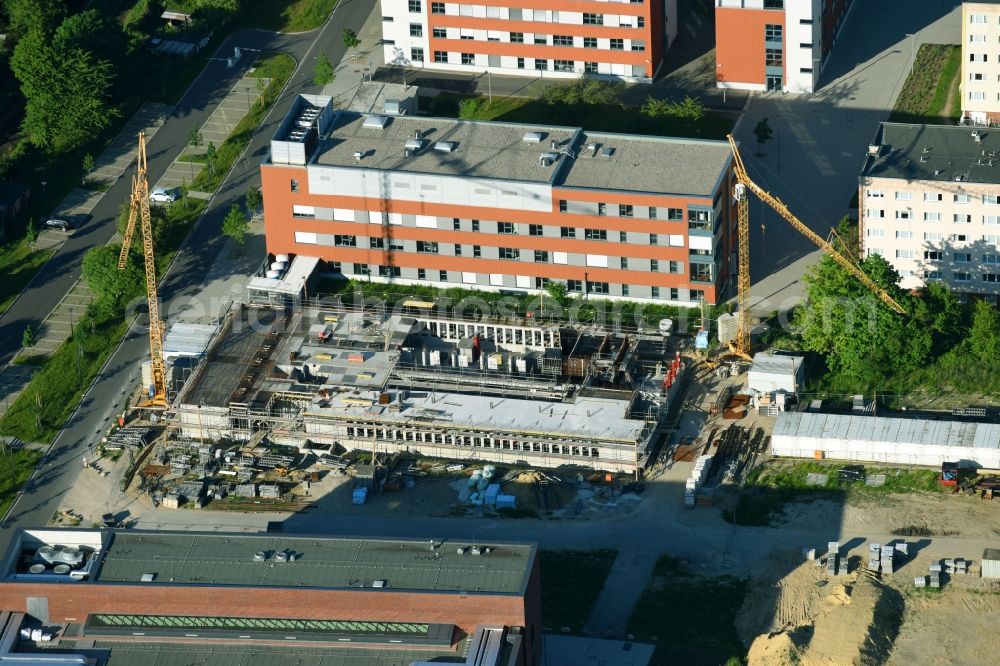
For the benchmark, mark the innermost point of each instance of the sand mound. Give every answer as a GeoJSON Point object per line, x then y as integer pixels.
{"type": "Point", "coordinates": [773, 650]}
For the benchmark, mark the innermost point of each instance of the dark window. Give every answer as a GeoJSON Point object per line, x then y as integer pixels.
{"type": "Point", "coordinates": [475, 225]}
{"type": "Point", "coordinates": [540, 282]}
{"type": "Point", "coordinates": [567, 232]}
{"type": "Point", "coordinates": [510, 253]}
{"type": "Point", "coordinates": [595, 234]}
{"type": "Point", "coordinates": [541, 256]}
{"type": "Point", "coordinates": [654, 265]}
{"type": "Point", "coordinates": [562, 40]}
{"type": "Point", "coordinates": [562, 65]}
{"type": "Point", "coordinates": [517, 38]}
{"type": "Point", "coordinates": [772, 32]}
{"type": "Point", "coordinates": [772, 57]}
{"type": "Point", "coordinates": [466, 37]}
{"type": "Point", "coordinates": [440, 33]}
{"type": "Point", "coordinates": [622, 236]}
{"type": "Point", "coordinates": [638, 45]}
{"type": "Point", "coordinates": [617, 44]}
{"type": "Point", "coordinates": [468, 59]}
{"type": "Point", "coordinates": [437, 8]}
{"type": "Point", "coordinates": [574, 285]}
{"type": "Point", "coordinates": [477, 251]}
{"type": "Point", "coordinates": [295, 185]}
{"type": "Point", "coordinates": [641, 21]}
{"type": "Point", "coordinates": [428, 247]}
{"type": "Point", "coordinates": [416, 30]}
{"type": "Point", "coordinates": [674, 294]}
{"type": "Point", "coordinates": [362, 269]}
{"type": "Point", "coordinates": [598, 287]}
{"type": "Point", "coordinates": [458, 250]}
{"type": "Point", "coordinates": [653, 239]}
{"type": "Point", "coordinates": [415, 6]}
{"type": "Point", "coordinates": [590, 67]}
{"type": "Point", "coordinates": [593, 19]}
{"type": "Point", "coordinates": [701, 272]}
{"type": "Point", "coordinates": [541, 65]}
{"type": "Point", "coordinates": [456, 224]}
{"type": "Point", "coordinates": [387, 19]}
{"type": "Point", "coordinates": [396, 245]}
{"type": "Point", "coordinates": [805, 70]}
{"type": "Point", "coordinates": [562, 205]}
{"type": "Point", "coordinates": [389, 271]}
{"type": "Point", "coordinates": [535, 230]}
{"type": "Point", "coordinates": [623, 263]}
{"type": "Point", "coordinates": [541, 40]}
{"type": "Point", "coordinates": [625, 210]}
{"type": "Point", "coordinates": [675, 214]}
{"type": "Point", "coordinates": [345, 241]}
{"type": "Point", "coordinates": [416, 54]}
{"type": "Point", "coordinates": [443, 276]}
{"type": "Point", "coordinates": [440, 56]}
{"type": "Point", "coordinates": [654, 292]}
{"type": "Point", "coordinates": [376, 243]}
{"type": "Point", "coordinates": [774, 4]}
{"type": "Point", "coordinates": [520, 63]}
{"type": "Point", "coordinates": [590, 42]}
{"type": "Point", "coordinates": [676, 267]}
{"type": "Point", "coordinates": [602, 209]}
{"type": "Point", "coordinates": [652, 212]}
{"type": "Point", "coordinates": [506, 228]}
{"type": "Point", "coordinates": [932, 255]}
{"type": "Point", "coordinates": [624, 290]}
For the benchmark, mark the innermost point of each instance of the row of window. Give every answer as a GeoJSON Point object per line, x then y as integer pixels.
{"type": "Point", "coordinates": [575, 286]}
{"type": "Point", "coordinates": [416, 7]}
{"type": "Point", "coordinates": [979, 96]}
{"type": "Point", "coordinates": [471, 440]}
{"type": "Point", "coordinates": [979, 76]}
{"type": "Point", "coordinates": [957, 218]}
{"type": "Point", "coordinates": [981, 57]}
{"type": "Point", "coordinates": [938, 255]}
{"type": "Point", "coordinates": [980, 19]}
{"type": "Point", "coordinates": [978, 38]}
{"type": "Point", "coordinates": [417, 30]}
{"type": "Point", "coordinates": [540, 64]}
{"type": "Point", "coordinates": [928, 236]}
{"type": "Point", "coordinates": [931, 197]}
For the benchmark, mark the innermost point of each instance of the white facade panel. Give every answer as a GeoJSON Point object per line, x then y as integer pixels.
{"type": "Point", "coordinates": [700, 242]}
{"type": "Point", "coordinates": [798, 58]}
{"type": "Point", "coordinates": [305, 237]}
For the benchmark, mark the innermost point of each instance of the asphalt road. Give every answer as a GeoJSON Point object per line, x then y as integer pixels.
{"type": "Point", "coordinates": [63, 462]}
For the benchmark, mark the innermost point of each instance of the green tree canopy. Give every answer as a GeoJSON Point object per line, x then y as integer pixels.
{"type": "Point", "coordinates": [66, 91]}
{"type": "Point", "coordinates": [112, 288]}
{"type": "Point", "coordinates": [159, 221]}
{"type": "Point", "coordinates": [25, 15]}
{"type": "Point", "coordinates": [94, 32]}
{"type": "Point", "coordinates": [323, 70]}
{"type": "Point", "coordinates": [253, 199]}
{"type": "Point", "coordinates": [235, 225]}
{"type": "Point", "coordinates": [984, 336]}
{"type": "Point", "coordinates": [350, 39]}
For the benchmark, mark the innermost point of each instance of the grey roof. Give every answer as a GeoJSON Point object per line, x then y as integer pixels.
{"type": "Point", "coordinates": [175, 654]}
{"type": "Point", "coordinates": [888, 429]}
{"type": "Point", "coordinates": [935, 153]}
{"type": "Point", "coordinates": [324, 562]}
{"type": "Point", "coordinates": [483, 150]}
{"type": "Point", "coordinates": [776, 364]}
{"type": "Point", "coordinates": [498, 150]}
{"type": "Point", "coordinates": [586, 418]}
{"type": "Point", "coordinates": [649, 164]}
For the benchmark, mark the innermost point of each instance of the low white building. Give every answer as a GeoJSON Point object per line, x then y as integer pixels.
{"type": "Point", "coordinates": [775, 372]}
{"type": "Point", "coordinates": [901, 441]}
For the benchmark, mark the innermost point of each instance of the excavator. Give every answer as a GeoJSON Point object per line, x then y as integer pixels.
{"type": "Point", "coordinates": [739, 347]}
{"type": "Point", "coordinates": [139, 209]}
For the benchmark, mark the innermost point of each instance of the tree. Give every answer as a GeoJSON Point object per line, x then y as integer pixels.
{"type": "Point", "coordinates": [763, 132]}
{"type": "Point", "coordinates": [159, 221]}
{"type": "Point", "coordinates": [210, 157]}
{"type": "Point", "coordinates": [323, 70]}
{"type": "Point", "coordinates": [88, 164]}
{"type": "Point", "coordinates": [253, 200]}
{"type": "Point", "coordinates": [26, 15]}
{"type": "Point", "coordinates": [351, 40]}
{"type": "Point", "coordinates": [31, 231]}
{"type": "Point", "coordinates": [584, 91]}
{"type": "Point", "coordinates": [557, 291]}
{"type": "Point", "coordinates": [28, 337]}
{"type": "Point", "coordinates": [689, 109]}
{"type": "Point", "coordinates": [235, 225]}
{"type": "Point", "coordinates": [111, 287]}
{"type": "Point", "coordinates": [92, 31]}
{"type": "Point", "coordinates": [66, 92]}
{"type": "Point", "coordinates": [984, 336]}
{"type": "Point", "coordinates": [194, 138]}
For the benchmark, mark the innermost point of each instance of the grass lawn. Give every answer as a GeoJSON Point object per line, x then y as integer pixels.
{"type": "Point", "coordinates": [285, 16]}
{"type": "Point", "coordinates": [20, 464]}
{"type": "Point", "coordinates": [929, 92]}
{"type": "Point", "coordinates": [778, 482]}
{"type": "Point", "coordinates": [607, 118]}
{"type": "Point", "coordinates": [18, 264]}
{"type": "Point", "coordinates": [691, 619]}
{"type": "Point", "coordinates": [571, 581]}
{"type": "Point", "coordinates": [279, 68]}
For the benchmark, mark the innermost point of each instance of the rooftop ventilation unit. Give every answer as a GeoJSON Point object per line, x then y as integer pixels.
{"type": "Point", "coordinates": [592, 147]}
{"type": "Point", "coordinates": [375, 122]}
{"type": "Point", "coordinates": [445, 146]}
{"type": "Point", "coordinates": [607, 151]}
{"type": "Point", "coordinates": [532, 137]}
{"type": "Point", "coordinates": [379, 583]}
{"type": "Point", "coordinates": [414, 144]}
{"type": "Point", "coordinates": [548, 159]}
{"type": "Point", "coordinates": [358, 155]}
{"type": "Point", "coordinates": [874, 149]}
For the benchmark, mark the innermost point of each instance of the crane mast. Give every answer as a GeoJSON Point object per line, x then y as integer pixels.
{"type": "Point", "coordinates": [740, 346]}
{"type": "Point", "coordinates": [139, 208]}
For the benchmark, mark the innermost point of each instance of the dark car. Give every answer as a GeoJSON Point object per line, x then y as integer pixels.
{"type": "Point", "coordinates": [852, 473]}
{"type": "Point", "coordinates": [60, 224]}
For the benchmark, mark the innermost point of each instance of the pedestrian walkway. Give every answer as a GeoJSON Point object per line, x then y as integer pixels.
{"type": "Point", "coordinates": [216, 129]}
{"type": "Point", "coordinates": [624, 585]}
{"type": "Point", "coordinates": [358, 65]}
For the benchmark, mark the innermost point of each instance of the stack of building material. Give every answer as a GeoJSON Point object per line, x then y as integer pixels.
{"type": "Point", "coordinates": [492, 491]}
{"type": "Point", "coordinates": [832, 557]}
{"type": "Point", "coordinates": [956, 566]}
{"type": "Point", "coordinates": [506, 501]}
{"type": "Point", "coordinates": [920, 581]}
{"type": "Point", "coordinates": [698, 477]}
{"type": "Point", "coordinates": [935, 569]}
{"type": "Point", "coordinates": [245, 490]}
{"type": "Point", "coordinates": [874, 560]}
{"type": "Point", "coordinates": [360, 495]}
{"type": "Point", "coordinates": [270, 491]}
{"type": "Point", "coordinates": [171, 501]}
{"type": "Point", "coordinates": [887, 559]}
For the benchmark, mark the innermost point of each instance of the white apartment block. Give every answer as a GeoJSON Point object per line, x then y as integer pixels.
{"type": "Point", "coordinates": [623, 39]}
{"type": "Point", "coordinates": [930, 205]}
{"type": "Point", "coordinates": [981, 62]}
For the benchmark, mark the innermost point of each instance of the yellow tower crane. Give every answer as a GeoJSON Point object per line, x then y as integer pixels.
{"type": "Point", "coordinates": [740, 346]}
{"type": "Point", "coordinates": [140, 209]}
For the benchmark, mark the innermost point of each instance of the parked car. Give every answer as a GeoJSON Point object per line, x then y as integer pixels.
{"type": "Point", "coordinates": [59, 224]}
{"type": "Point", "coordinates": [162, 195]}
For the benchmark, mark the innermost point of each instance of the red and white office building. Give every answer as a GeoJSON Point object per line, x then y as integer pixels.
{"type": "Point", "coordinates": [778, 45]}
{"type": "Point", "coordinates": [624, 39]}
{"type": "Point", "coordinates": [501, 206]}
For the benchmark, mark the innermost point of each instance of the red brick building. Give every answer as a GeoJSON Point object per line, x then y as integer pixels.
{"type": "Point", "coordinates": [208, 591]}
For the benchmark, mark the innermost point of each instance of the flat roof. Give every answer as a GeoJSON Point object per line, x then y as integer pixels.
{"type": "Point", "coordinates": [648, 164]}
{"type": "Point", "coordinates": [888, 429]}
{"type": "Point", "coordinates": [943, 153]}
{"type": "Point", "coordinates": [587, 418]}
{"type": "Point", "coordinates": [482, 149]}
{"type": "Point", "coordinates": [319, 562]}
{"type": "Point", "coordinates": [776, 364]}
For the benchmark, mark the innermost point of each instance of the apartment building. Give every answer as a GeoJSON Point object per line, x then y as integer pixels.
{"type": "Point", "coordinates": [501, 206]}
{"type": "Point", "coordinates": [981, 62]}
{"type": "Point", "coordinates": [624, 39]}
{"type": "Point", "coordinates": [775, 44]}
{"type": "Point", "coordinates": [930, 204]}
